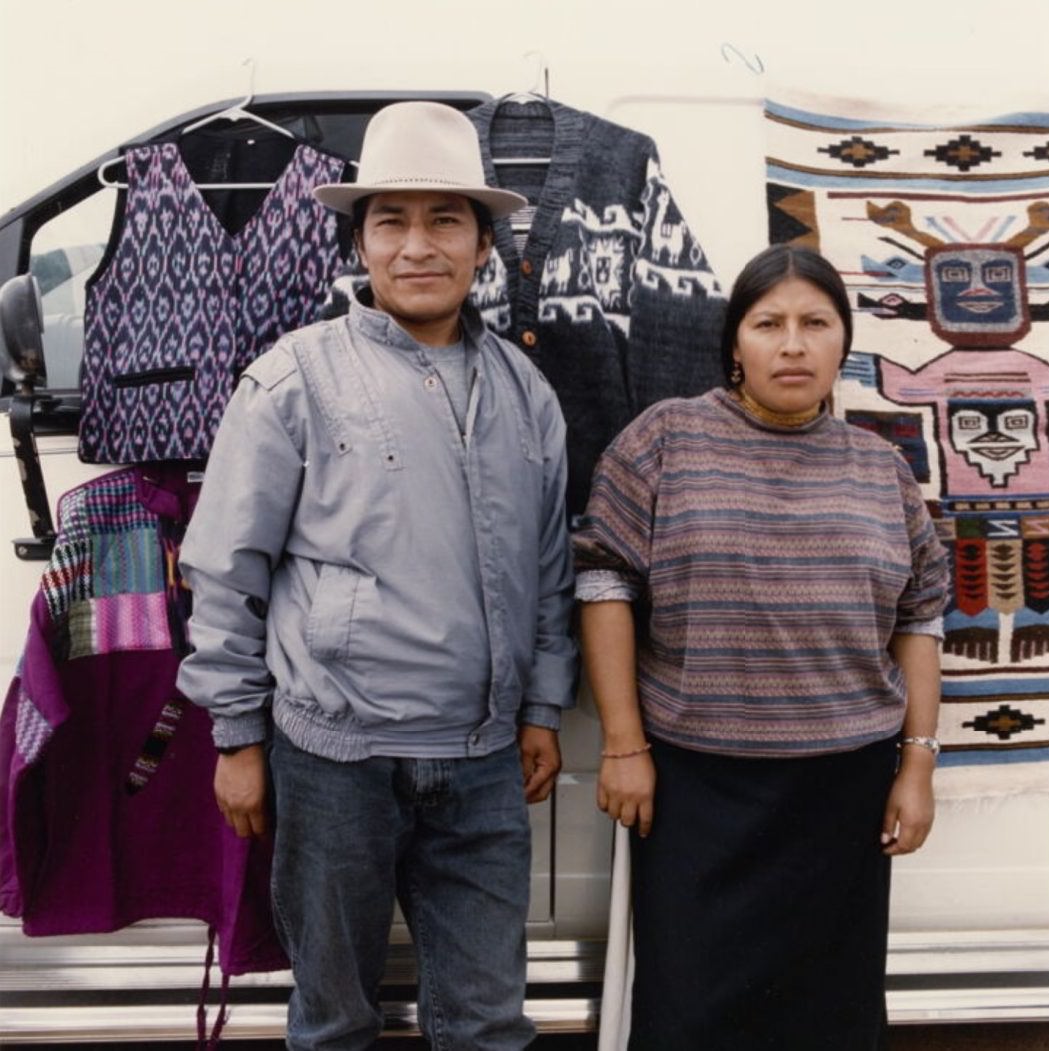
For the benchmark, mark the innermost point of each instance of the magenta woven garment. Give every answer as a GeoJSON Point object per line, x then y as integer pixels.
{"type": "Point", "coordinates": [107, 814]}
{"type": "Point", "coordinates": [183, 305]}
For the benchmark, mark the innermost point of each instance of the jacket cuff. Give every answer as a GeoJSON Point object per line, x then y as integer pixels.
{"type": "Point", "coordinates": [238, 731]}
{"type": "Point", "coordinates": [553, 679]}
{"type": "Point", "coordinates": [546, 715]}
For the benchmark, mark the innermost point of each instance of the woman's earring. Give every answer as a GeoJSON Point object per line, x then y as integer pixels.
{"type": "Point", "coordinates": [735, 377]}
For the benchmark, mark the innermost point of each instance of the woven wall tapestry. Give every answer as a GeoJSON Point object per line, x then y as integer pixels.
{"type": "Point", "coordinates": [942, 236]}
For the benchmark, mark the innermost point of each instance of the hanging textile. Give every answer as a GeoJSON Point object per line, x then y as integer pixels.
{"type": "Point", "coordinates": [107, 815]}
{"type": "Point", "coordinates": [598, 280]}
{"type": "Point", "coordinates": [181, 305]}
{"type": "Point", "coordinates": [941, 233]}
{"type": "Point", "coordinates": [610, 295]}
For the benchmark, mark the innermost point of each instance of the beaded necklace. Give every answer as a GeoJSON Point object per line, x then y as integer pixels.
{"type": "Point", "coordinates": [777, 419]}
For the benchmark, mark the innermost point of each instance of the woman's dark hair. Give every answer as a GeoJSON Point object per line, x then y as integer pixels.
{"type": "Point", "coordinates": [481, 214]}
{"type": "Point", "coordinates": [766, 270]}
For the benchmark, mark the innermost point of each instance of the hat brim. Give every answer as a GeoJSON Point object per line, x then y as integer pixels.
{"type": "Point", "coordinates": [342, 196]}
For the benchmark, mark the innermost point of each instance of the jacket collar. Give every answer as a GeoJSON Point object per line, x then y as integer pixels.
{"type": "Point", "coordinates": [378, 326]}
{"type": "Point", "coordinates": [168, 489]}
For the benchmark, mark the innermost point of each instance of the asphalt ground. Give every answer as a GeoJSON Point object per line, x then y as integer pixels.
{"type": "Point", "coordinates": [1013, 1036]}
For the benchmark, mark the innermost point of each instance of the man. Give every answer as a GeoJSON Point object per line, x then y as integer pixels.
{"type": "Point", "coordinates": [381, 581]}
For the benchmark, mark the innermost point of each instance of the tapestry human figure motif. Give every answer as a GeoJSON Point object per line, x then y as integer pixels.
{"type": "Point", "coordinates": [942, 237]}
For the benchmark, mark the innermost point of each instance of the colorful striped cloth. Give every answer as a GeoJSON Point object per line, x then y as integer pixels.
{"type": "Point", "coordinates": [776, 564]}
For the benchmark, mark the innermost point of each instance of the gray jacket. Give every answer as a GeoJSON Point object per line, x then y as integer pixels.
{"type": "Point", "coordinates": [387, 585]}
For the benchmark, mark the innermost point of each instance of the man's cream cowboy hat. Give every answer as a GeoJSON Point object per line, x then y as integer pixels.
{"type": "Point", "coordinates": [420, 146]}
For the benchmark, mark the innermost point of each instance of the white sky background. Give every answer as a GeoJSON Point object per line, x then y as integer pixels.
{"type": "Point", "coordinates": [77, 78]}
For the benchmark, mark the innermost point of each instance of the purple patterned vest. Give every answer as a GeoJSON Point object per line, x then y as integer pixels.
{"type": "Point", "coordinates": [184, 306]}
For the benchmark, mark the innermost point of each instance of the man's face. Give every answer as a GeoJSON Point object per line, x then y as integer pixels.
{"type": "Point", "coordinates": [421, 250]}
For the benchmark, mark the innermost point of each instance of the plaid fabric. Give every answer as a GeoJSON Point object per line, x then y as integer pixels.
{"type": "Point", "coordinates": [127, 562]}
{"type": "Point", "coordinates": [32, 730]}
{"type": "Point", "coordinates": [114, 623]}
{"type": "Point", "coordinates": [106, 585]}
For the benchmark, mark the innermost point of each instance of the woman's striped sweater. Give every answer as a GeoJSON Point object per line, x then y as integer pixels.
{"type": "Point", "coordinates": [774, 565]}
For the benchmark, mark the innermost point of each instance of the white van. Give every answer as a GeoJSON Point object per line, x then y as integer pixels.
{"type": "Point", "coordinates": [970, 927]}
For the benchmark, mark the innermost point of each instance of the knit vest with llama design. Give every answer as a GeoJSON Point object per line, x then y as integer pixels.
{"type": "Point", "coordinates": [182, 306]}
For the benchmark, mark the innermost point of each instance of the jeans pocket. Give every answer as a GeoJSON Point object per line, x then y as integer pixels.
{"type": "Point", "coordinates": [330, 622]}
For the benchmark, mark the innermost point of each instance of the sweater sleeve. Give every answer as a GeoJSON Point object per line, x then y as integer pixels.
{"type": "Point", "coordinates": [616, 531]}
{"type": "Point", "coordinates": [925, 595]}
{"type": "Point", "coordinates": [232, 546]}
{"type": "Point", "coordinates": [604, 585]}
{"type": "Point", "coordinates": [677, 306]}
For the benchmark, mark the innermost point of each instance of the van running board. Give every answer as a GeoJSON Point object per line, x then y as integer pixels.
{"type": "Point", "coordinates": [105, 993]}
{"type": "Point", "coordinates": [145, 987]}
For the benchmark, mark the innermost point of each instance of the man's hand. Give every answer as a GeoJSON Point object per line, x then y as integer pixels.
{"type": "Point", "coordinates": [540, 761]}
{"type": "Point", "coordinates": [240, 790]}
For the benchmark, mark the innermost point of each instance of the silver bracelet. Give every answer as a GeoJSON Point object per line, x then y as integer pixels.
{"type": "Point", "coordinates": [923, 742]}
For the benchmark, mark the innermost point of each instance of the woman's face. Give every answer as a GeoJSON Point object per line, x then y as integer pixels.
{"type": "Point", "coordinates": [789, 345]}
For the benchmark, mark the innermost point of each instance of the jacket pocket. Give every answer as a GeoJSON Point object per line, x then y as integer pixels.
{"type": "Point", "coordinates": [150, 376]}
{"type": "Point", "coordinates": [330, 622]}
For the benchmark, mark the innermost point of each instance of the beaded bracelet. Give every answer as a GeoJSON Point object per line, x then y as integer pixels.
{"type": "Point", "coordinates": [627, 755]}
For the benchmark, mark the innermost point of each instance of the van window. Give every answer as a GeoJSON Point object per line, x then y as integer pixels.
{"type": "Point", "coordinates": [63, 255]}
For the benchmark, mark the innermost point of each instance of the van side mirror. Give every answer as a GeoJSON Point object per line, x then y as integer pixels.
{"type": "Point", "coordinates": [22, 331]}
{"type": "Point", "coordinates": [22, 362]}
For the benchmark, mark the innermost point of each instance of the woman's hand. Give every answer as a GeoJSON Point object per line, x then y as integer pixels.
{"type": "Point", "coordinates": [627, 780]}
{"type": "Point", "coordinates": [625, 788]}
{"type": "Point", "coordinates": [910, 807]}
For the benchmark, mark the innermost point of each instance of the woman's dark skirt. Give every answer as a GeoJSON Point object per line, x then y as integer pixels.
{"type": "Point", "coordinates": [761, 903]}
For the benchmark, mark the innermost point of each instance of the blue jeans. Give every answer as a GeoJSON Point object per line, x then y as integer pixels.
{"type": "Point", "coordinates": [450, 838]}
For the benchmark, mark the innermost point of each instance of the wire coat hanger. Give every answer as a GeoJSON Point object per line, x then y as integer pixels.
{"type": "Point", "coordinates": [542, 73]}
{"type": "Point", "coordinates": [232, 113]}
{"type": "Point", "coordinates": [755, 65]}
{"type": "Point", "coordinates": [733, 55]}
{"type": "Point", "coordinates": [238, 112]}
{"type": "Point", "coordinates": [115, 184]}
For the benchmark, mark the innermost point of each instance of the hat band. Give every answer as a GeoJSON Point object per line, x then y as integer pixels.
{"type": "Point", "coordinates": [396, 179]}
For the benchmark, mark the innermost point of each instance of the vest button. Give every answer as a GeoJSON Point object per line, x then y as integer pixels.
{"type": "Point", "coordinates": [526, 267]}
{"type": "Point", "coordinates": [529, 338]}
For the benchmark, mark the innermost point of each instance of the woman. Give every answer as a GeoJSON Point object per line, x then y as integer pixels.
{"type": "Point", "coordinates": [769, 738]}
